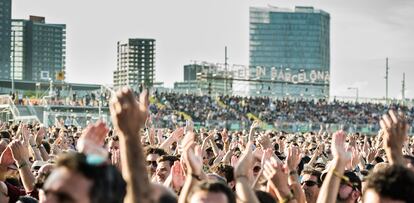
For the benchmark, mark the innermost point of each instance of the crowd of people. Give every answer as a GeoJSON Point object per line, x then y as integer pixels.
{"type": "Point", "coordinates": [235, 108]}
{"type": "Point", "coordinates": [90, 99]}
{"type": "Point", "coordinates": [134, 161]}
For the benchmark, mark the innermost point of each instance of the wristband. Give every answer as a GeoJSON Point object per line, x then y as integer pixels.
{"type": "Point", "coordinates": [346, 179]}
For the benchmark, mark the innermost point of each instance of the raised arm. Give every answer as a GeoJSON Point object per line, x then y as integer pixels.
{"type": "Point", "coordinates": [293, 159]}
{"type": "Point", "coordinates": [395, 133]}
{"type": "Point", "coordinates": [254, 125]}
{"type": "Point", "coordinates": [194, 163]}
{"type": "Point", "coordinates": [21, 157]}
{"type": "Point", "coordinates": [174, 137]}
{"type": "Point", "coordinates": [39, 138]}
{"type": "Point", "coordinates": [128, 117]}
{"type": "Point", "coordinates": [330, 186]}
{"type": "Point", "coordinates": [243, 175]}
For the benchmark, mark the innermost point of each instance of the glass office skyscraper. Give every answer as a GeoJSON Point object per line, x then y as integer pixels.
{"type": "Point", "coordinates": [38, 49]}
{"type": "Point", "coordinates": [289, 52]}
{"type": "Point", "coordinates": [5, 31]}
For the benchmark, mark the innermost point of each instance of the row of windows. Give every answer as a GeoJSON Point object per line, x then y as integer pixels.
{"type": "Point", "coordinates": [294, 62]}
{"type": "Point", "coordinates": [287, 55]}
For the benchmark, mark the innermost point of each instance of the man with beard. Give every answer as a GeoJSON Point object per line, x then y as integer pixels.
{"type": "Point", "coordinates": [311, 184]}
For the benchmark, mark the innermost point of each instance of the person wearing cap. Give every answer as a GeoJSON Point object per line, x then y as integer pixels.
{"type": "Point", "coordinates": [339, 185]}
{"type": "Point", "coordinates": [350, 188]}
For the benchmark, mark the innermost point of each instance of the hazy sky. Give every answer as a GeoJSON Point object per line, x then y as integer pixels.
{"type": "Point", "coordinates": [363, 34]}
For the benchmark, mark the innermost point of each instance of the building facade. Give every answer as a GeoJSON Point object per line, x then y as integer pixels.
{"type": "Point", "coordinates": [18, 47]}
{"type": "Point", "coordinates": [135, 63]}
{"type": "Point", "coordinates": [289, 52]}
{"type": "Point", "coordinates": [38, 50]}
{"type": "Point", "coordinates": [5, 32]}
{"type": "Point", "coordinates": [205, 78]}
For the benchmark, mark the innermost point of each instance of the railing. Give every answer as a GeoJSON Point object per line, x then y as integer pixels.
{"type": "Point", "coordinates": [7, 102]}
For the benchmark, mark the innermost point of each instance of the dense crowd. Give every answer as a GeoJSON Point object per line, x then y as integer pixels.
{"type": "Point", "coordinates": [134, 161]}
{"type": "Point", "coordinates": [202, 108]}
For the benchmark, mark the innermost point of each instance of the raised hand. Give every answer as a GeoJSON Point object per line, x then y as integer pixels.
{"type": "Point", "coordinates": [177, 174]}
{"type": "Point", "coordinates": [293, 158]}
{"type": "Point", "coordinates": [371, 155]}
{"type": "Point", "coordinates": [355, 158]}
{"type": "Point", "coordinates": [192, 155]}
{"type": "Point", "coordinates": [395, 133]}
{"type": "Point", "coordinates": [25, 135]}
{"type": "Point", "coordinates": [189, 126]}
{"type": "Point", "coordinates": [338, 147]}
{"type": "Point", "coordinates": [151, 136]}
{"type": "Point", "coordinates": [264, 141]}
{"type": "Point", "coordinates": [128, 115]}
{"type": "Point", "coordinates": [19, 152]}
{"type": "Point", "coordinates": [224, 135]}
{"type": "Point", "coordinates": [267, 154]}
{"type": "Point", "coordinates": [6, 158]}
{"type": "Point", "coordinates": [352, 140]}
{"type": "Point", "coordinates": [178, 134]}
{"type": "Point", "coordinates": [277, 178]}
{"type": "Point", "coordinates": [40, 135]}
{"type": "Point", "coordinates": [254, 125]}
{"type": "Point", "coordinates": [93, 138]}
{"type": "Point", "coordinates": [245, 163]}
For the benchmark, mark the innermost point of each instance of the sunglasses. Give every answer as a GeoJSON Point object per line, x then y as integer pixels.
{"type": "Point", "coordinates": [309, 183]}
{"type": "Point", "coordinates": [153, 163]}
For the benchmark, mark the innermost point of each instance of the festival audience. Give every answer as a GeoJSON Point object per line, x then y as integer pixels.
{"type": "Point", "coordinates": [136, 161]}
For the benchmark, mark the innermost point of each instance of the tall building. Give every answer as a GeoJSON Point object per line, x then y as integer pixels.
{"type": "Point", "coordinates": [38, 49]}
{"type": "Point", "coordinates": [135, 63]}
{"type": "Point", "coordinates": [290, 52]}
{"type": "Point", "coordinates": [5, 30]}
{"type": "Point", "coordinates": [18, 46]}
{"type": "Point", "coordinates": [205, 78]}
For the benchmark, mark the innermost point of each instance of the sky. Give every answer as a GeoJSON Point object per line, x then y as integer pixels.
{"type": "Point", "coordinates": [363, 34]}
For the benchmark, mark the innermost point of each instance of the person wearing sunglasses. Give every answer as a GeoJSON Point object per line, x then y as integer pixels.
{"type": "Point", "coordinates": [311, 184]}
{"type": "Point", "coordinates": [152, 154]}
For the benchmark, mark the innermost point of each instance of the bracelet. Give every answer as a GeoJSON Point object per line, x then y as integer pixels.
{"type": "Point", "coordinates": [288, 198]}
{"type": "Point", "coordinates": [195, 176]}
{"type": "Point", "coordinates": [22, 165]}
{"type": "Point", "coordinates": [346, 179]}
